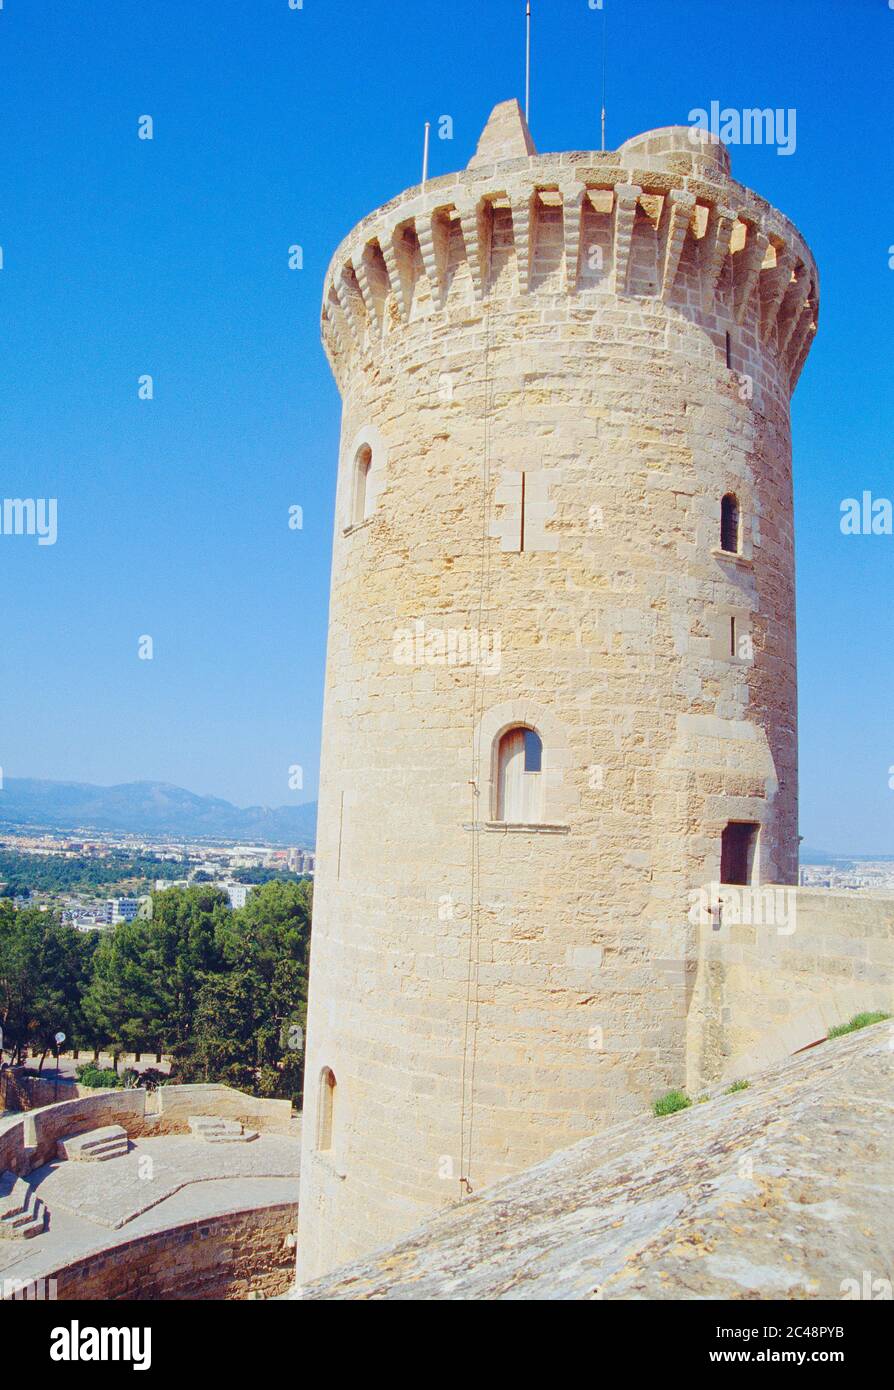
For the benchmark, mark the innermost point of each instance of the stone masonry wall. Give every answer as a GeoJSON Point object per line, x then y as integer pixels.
{"type": "Point", "coordinates": [171, 1107]}
{"type": "Point", "coordinates": [766, 988]}
{"type": "Point", "coordinates": [32, 1092]}
{"type": "Point", "coordinates": [547, 334]}
{"type": "Point", "coordinates": [44, 1127]}
{"type": "Point", "coordinates": [221, 1257]}
{"type": "Point", "coordinates": [30, 1141]}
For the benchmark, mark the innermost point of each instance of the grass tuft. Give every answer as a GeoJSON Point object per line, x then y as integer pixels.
{"type": "Point", "coordinates": [737, 1086]}
{"type": "Point", "coordinates": [858, 1021]}
{"type": "Point", "coordinates": [673, 1101]}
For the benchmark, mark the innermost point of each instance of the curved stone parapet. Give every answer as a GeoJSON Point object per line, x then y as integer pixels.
{"type": "Point", "coordinates": [220, 1255]}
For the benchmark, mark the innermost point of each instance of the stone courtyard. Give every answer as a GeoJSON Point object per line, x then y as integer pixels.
{"type": "Point", "coordinates": [115, 1194]}
{"type": "Point", "coordinates": [168, 1215]}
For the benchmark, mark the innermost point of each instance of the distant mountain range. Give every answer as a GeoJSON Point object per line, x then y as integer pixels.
{"type": "Point", "coordinates": [158, 808]}
{"type": "Point", "coordinates": [150, 808]}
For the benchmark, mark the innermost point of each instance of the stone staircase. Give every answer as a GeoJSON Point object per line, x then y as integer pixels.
{"type": "Point", "coordinates": [215, 1130]}
{"type": "Point", "coordinates": [96, 1146]}
{"type": "Point", "coordinates": [22, 1213]}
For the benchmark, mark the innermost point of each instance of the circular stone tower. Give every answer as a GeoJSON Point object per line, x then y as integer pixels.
{"type": "Point", "coordinates": [560, 689]}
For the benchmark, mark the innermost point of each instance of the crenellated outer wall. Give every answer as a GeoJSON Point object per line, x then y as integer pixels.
{"type": "Point", "coordinates": [556, 324]}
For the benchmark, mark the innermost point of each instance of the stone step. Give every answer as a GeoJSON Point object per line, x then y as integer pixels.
{"type": "Point", "coordinates": [36, 1224]}
{"type": "Point", "coordinates": [27, 1224]}
{"type": "Point", "coordinates": [110, 1141]}
{"type": "Point", "coordinates": [214, 1129]}
{"type": "Point", "coordinates": [22, 1213]}
{"type": "Point", "coordinates": [14, 1195]}
{"type": "Point", "coordinates": [118, 1149]}
{"type": "Point", "coordinates": [202, 1125]}
{"type": "Point", "coordinates": [94, 1138]}
{"type": "Point", "coordinates": [35, 1227]}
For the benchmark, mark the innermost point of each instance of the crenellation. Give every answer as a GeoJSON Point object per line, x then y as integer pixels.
{"type": "Point", "coordinates": [801, 355]}
{"type": "Point", "coordinates": [548, 244]}
{"type": "Point", "coordinates": [572, 230]}
{"type": "Point", "coordinates": [430, 239]}
{"type": "Point", "coordinates": [676, 222]}
{"type": "Point", "coordinates": [774, 285]}
{"type": "Point", "coordinates": [524, 223]}
{"type": "Point", "coordinates": [746, 274]}
{"type": "Point", "coordinates": [793, 305]}
{"type": "Point", "coordinates": [397, 300]}
{"type": "Point", "coordinates": [363, 273]}
{"type": "Point", "coordinates": [738, 252]}
{"type": "Point", "coordinates": [715, 247]}
{"type": "Point", "coordinates": [346, 291]}
{"type": "Point", "coordinates": [623, 216]}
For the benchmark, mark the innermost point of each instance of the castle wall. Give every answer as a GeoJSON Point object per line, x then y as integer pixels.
{"type": "Point", "coordinates": [169, 1108]}
{"type": "Point", "coordinates": [807, 960]}
{"type": "Point", "coordinates": [29, 1141]}
{"type": "Point", "coordinates": [218, 1256]}
{"type": "Point", "coordinates": [13, 1155]}
{"type": "Point", "coordinates": [43, 1128]}
{"type": "Point", "coordinates": [21, 1092]}
{"type": "Point", "coordinates": [542, 339]}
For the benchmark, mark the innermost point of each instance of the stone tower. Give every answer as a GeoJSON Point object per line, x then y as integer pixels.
{"type": "Point", "coordinates": [560, 690]}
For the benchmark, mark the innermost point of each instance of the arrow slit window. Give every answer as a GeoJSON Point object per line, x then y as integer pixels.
{"type": "Point", "coordinates": [361, 507]}
{"type": "Point", "coordinates": [325, 1109]}
{"type": "Point", "coordinates": [729, 524]}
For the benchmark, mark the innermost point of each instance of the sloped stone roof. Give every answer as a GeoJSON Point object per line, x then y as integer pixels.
{"type": "Point", "coordinates": [778, 1191]}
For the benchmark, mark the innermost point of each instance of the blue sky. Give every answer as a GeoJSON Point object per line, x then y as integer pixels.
{"type": "Point", "coordinates": [273, 126]}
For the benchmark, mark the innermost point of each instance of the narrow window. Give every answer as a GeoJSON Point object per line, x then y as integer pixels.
{"type": "Point", "coordinates": [737, 852]}
{"type": "Point", "coordinates": [362, 465]}
{"type": "Point", "coordinates": [325, 1107]}
{"type": "Point", "coordinates": [522, 524]}
{"type": "Point", "coordinates": [519, 777]}
{"type": "Point", "coordinates": [729, 524]}
{"type": "Point", "coordinates": [341, 826]}
{"type": "Point", "coordinates": [729, 351]}
{"type": "Point", "coordinates": [732, 636]}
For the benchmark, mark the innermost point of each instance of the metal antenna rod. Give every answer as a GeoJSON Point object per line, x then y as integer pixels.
{"type": "Point", "coordinates": [528, 61]}
{"type": "Point", "coordinates": [603, 80]}
{"type": "Point", "coordinates": [425, 153]}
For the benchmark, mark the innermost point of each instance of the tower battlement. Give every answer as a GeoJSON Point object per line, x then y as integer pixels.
{"type": "Point", "coordinates": [660, 218]}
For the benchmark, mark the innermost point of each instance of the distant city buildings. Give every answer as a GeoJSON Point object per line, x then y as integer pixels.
{"type": "Point", "coordinates": [301, 861]}
{"type": "Point", "coordinates": [237, 893]}
{"type": "Point", "coordinates": [191, 865]}
{"type": "Point", "coordinates": [94, 916]}
{"type": "Point", "coordinates": [122, 909]}
{"type": "Point", "coordinates": [857, 875]}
